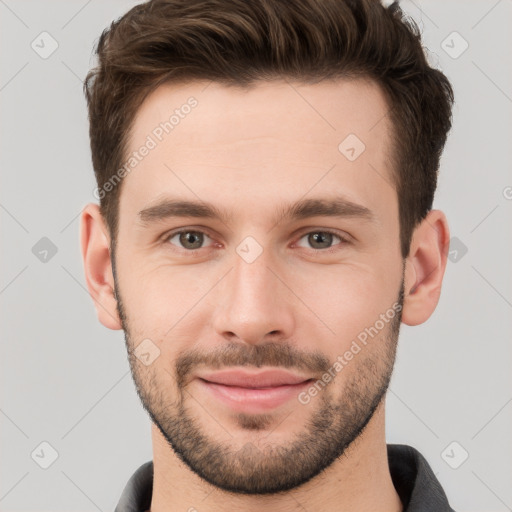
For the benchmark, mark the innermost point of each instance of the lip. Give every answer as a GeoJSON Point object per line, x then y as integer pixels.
{"type": "Point", "coordinates": [252, 392]}
{"type": "Point", "coordinates": [261, 379]}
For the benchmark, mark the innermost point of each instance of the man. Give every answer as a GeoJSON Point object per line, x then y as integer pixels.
{"type": "Point", "coordinates": [266, 172]}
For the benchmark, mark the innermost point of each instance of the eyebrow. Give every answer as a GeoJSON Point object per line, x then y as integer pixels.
{"type": "Point", "coordinates": [305, 208]}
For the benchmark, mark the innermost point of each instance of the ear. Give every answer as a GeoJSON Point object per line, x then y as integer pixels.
{"type": "Point", "coordinates": [95, 241]}
{"type": "Point", "coordinates": [425, 268]}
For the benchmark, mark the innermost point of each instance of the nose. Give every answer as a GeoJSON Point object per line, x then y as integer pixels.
{"type": "Point", "coordinates": [254, 304]}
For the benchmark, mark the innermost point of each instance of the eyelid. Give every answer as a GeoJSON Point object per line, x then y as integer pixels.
{"type": "Point", "coordinates": [340, 234]}
{"type": "Point", "coordinates": [189, 229]}
{"type": "Point", "coordinates": [345, 238]}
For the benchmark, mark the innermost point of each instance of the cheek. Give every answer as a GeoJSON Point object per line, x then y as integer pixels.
{"type": "Point", "coordinates": [160, 302]}
{"type": "Point", "coordinates": [347, 298]}
{"type": "Point", "coordinates": [331, 303]}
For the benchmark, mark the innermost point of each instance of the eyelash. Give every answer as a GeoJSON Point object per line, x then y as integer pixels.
{"type": "Point", "coordinates": [344, 240]}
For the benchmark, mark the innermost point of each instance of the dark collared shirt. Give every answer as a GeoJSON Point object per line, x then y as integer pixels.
{"type": "Point", "coordinates": [414, 481]}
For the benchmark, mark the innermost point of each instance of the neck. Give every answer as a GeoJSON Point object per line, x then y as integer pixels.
{"type": "Point", "coordinates": [359, 480]}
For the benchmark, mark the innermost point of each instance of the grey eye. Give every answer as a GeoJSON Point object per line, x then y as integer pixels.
{"type": "Point", "coordinates": [190, 240]}
{"type": "Point", "coordinates": [320, 239]}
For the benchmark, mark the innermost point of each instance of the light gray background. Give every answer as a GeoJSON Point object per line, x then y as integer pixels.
{"type": "Point", "coordinates": [65, 378]}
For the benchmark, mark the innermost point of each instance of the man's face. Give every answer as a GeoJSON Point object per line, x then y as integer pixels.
{"type": "Point", "coordinates": [258, 290]}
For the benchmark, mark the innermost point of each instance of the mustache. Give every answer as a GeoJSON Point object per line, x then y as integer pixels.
{"type": "Point", "coordinates": [269, 354]}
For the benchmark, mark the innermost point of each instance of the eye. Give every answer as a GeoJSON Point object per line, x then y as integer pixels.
{"type": "Point", "coordinates": [322, 240]}
{"type": "Point", "coordinates": [190, 240]}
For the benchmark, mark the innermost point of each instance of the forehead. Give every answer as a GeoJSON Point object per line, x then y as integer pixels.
{"type": "Point", "coordinates": [275, 107]}
{"type": "Point", "coordinates": [274, 139]}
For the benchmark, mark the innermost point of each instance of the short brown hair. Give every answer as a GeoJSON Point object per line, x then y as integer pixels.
{"type": "Point", "coordinates": [239, 42]}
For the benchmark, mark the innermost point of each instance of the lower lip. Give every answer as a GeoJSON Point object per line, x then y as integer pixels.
{"type": "Point", "coordinates": [253, 400]}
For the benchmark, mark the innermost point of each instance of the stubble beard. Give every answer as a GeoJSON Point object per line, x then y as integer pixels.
{"type": "Point", "coordinates": [334, 422]}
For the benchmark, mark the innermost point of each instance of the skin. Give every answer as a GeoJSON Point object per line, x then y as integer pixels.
{"type": "Point", "coordinates": [250, 152]}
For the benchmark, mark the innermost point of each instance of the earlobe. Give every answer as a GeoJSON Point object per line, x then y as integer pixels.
{"type": "Point", "coordinates": [425, 267]}
{"type": "Point", "coordinates": [95, 244]}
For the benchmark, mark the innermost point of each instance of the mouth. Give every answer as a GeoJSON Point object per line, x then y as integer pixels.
{"type": "Point", "coordinates": [252, 392]}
